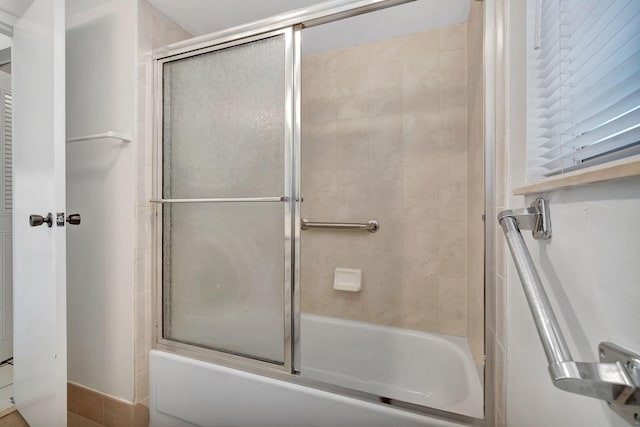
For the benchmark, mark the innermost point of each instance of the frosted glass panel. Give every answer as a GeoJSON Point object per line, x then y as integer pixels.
{"type": "Point", "coordinates": [223, 277]}
{"type": "Point", "coordinates": [224, 137]}
{"type": "Point", "coordinates": [223, 122]}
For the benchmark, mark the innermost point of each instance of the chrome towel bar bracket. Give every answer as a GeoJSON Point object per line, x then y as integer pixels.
{"type": "Point", "coordinates": [535, 218]}
{"type": "Point", "coordinates": [616, 378]}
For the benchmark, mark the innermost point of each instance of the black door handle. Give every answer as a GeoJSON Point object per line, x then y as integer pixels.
{"type": "Point", "coordinates": [74, 219]}
{"type": "Point", "coordinates": [36, 220]}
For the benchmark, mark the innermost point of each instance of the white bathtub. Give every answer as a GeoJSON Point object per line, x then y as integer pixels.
{"type": "Point", "coordinates": [432, 370]}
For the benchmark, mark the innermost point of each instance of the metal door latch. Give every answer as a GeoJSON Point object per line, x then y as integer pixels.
{"type": "Point", "coordinates": [36, 220]}
{"type": "Point", "coordinates": [73, 219]}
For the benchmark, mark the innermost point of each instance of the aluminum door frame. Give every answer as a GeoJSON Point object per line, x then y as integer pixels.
{"type": "Point", "coordinates": [295, 21]}
{"type": "Point", "coordinates": [219, 356]}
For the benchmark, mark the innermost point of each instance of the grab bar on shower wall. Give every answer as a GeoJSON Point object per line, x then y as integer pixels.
{"type": "Point", "coordinates": [371, 226]}
{"type": "Point", "coordinates": [617, 378]}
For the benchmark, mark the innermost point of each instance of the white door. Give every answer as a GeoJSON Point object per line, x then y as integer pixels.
{"type": "Point", "coordinates": [39, 258]}
{"type": "Point", "coordinates": [6, 197]}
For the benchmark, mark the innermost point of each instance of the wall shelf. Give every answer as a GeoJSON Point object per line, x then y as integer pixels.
{"type": "Point", "coordinates": [109, 134]}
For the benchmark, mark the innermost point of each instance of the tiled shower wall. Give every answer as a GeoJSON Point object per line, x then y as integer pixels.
{"type": "Point", "coordinates": [475, 184]}
{"type": "Point", "coordinates": [154, 30]}
{"type": "Point", "coordinates": [384, 136]}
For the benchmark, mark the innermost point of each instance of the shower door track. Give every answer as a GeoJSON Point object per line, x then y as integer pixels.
{"type": "Point", "coordinates": [293, 21]}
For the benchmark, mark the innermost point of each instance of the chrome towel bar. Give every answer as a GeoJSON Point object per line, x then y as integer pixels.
{"type": "Point", "coordinates": [223, 200]}
{"type": "Point", "coordinates": [371, 226]}
{"type": "Point", "coordinates": [617, 378]}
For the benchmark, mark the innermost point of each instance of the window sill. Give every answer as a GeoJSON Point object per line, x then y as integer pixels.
{"type": "Point", "coordinates": [608, 172]}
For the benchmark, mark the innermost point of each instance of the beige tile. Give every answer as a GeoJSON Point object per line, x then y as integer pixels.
{"type": "Point", "coordinates": [318, 146]}
{"type": "Point", "coordinates": [141, 415]}
{"type": "Point", "coordinates": [453, 69]}
{"type": "Point", "coordinates": [453, 37]}
{"type": "Point", "coordinates": [421, 84]}
{"type": "Point", "coordinates": [454, 96]}
{"type": "Point", "coordinates": [143, 186]}
{"type": "Point", "coordinates": [352, 107]}
{"type": "Point", "coordinates": [501, 251]}
{"type": "Point", "coordinates": [419, 45]}
{"type": "Point", "coordinates": [386, 50]}
{"type": "Point", "coordinates": [143, 311]}
{"type": "Point", "coordinates": [498, 382]}
{"type": "Point", "coordinates": [118, 407]}
{"type": "Point", "coordinates": [420, 196]}
{"type": "Point", "coordinates": [385, 76]}
{"type": "Point", "coordinates": [421, 253]}
{"type": "Point", "coordinates": [72, 391]}
{"type": "Point", "coordinates": [453, 128]}
{"type": "Point", "coordinates": [142, 385]}
{"type": "Point", "coordinates": [352, 144]}
{"type": "Point", "coordinates": [421, 73]}
{"type": "Point", "coordinates": [385, 102]}
{"type": "Point", "coordinates": [318, 74]}
{"type": "Point", "coordinates": [75, 420]}
{"type": "Point", "coordinates": [420, 300]}
{"type": "Point", "coordinates": [321, 109]}
{"type": "Point", "coordinates": [421, 138]}
{"type": "Point", "coordinates": [397, 159]}
{"type": "Point", "coordinates": [85, 395]}
{"type": "Point", "coordinates": [143, 269]}
{"type": "Point", "coordinates": [143, 226]}
{"type": "Point", "coordinates": [352, 71]}
{"type": "Point", "coordinates": [452, 197]}
{"type": "Point", "coordinates": [452, 306]}
{"type": "Point", "coordinates": [475, 330]}
{"type": "Point", "coordinates": [500, 310]}
{"type": "Point", "coordinates": [115, 420]}
{"type": "Point", "coordinates": [452, 249]}
{"type": "Point", "coordinates": [385, 143]}
{"type": "Point", "coordinates": [85, 410]}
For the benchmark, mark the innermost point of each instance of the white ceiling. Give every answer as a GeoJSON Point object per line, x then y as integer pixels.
{"type": "Point", "coordinates": [206, 16]}
{"type": "Point", "coordinates": [15, 7]}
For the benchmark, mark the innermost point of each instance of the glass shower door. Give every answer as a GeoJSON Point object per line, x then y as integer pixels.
{"type": "Point", "coordinates": [226, 210]}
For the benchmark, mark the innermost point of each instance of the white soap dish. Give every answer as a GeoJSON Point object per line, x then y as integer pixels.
{"type": "Point", "coordinates": [347, 279]}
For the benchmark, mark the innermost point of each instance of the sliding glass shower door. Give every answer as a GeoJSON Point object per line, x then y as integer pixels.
{"type": "Point", "coordinates": [226, 198]}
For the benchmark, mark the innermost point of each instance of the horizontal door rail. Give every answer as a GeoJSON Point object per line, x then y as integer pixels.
{"type": "Point", "coordinates": [371, 226]}
{"type": "Point", "coordinates": [224, 200]}
{"type": "Point", "coordinates": [618, 380]}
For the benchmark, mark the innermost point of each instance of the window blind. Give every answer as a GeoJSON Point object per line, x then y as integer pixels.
{"type": "Point", "coordinates": [583, 84]}
{"type": "Point", "coordinates": [6, 113]}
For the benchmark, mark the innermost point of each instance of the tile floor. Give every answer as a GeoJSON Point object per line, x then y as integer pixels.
{"type": "Point", "coordinates": [13, 419]}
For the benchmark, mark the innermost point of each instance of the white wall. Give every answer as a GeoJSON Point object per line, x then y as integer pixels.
{"type": "Point", "coordinates": [101, 88]}
{"type": "Point", "coordinates": [590, 270]}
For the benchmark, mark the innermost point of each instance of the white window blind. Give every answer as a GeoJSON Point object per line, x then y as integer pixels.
{"type": "Point", "coordinates": [6, 123]}
{"type": "Point", "coordinates": [583, 84]}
